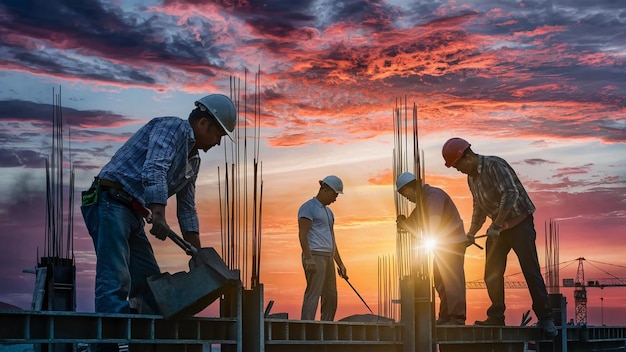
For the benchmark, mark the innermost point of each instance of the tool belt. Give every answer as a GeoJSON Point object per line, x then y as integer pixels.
{"type": "Point", "coordinates": [113, 188]}
{"type": "Point", "coordinates": [115, 191]}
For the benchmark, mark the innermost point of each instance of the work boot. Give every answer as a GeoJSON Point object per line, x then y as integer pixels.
{"type": "Point", "coordinates": [441, 320]}
{"type": "Point", "coordinates": [547, 327]}
{"type": "Point", "coordinates": [490, 321]}
{"type": "Point", "coordinates": [453, 322]}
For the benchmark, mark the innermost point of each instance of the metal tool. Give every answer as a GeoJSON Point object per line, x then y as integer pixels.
{"type": "Point", "coordinates": [355, 291]}
{"type": "Point", "coordinates": [187, 293]}
{"type": "Point", "coordinates": [186, 246]}
{"type": "Point", "coordinates": [526, 318]}
{"type": "Point", "coordinates": [476, 244]}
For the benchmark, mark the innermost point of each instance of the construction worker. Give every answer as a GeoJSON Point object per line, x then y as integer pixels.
{"type": "Point", "coordinates": [446, 227]}
{"type": "Point", "coordinates": [319, 249]}
{"type": "Point", "coordinates": [160, 160]}
{"type": "Point", "coordinates": [498, 193]}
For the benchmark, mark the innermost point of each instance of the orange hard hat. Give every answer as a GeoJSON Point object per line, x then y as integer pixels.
{"type": "Point", "coordinates": [453, 149]}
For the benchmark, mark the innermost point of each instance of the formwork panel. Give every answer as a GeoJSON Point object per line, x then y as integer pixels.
{"type": "Point", "coordinates": [188, 329]}
{"type": "Point", "coordinates": [296, 332]}
{"type": "Point", "coordinates": [218, 330]}
{"type": "Point", "coordinates": [359, 333]}
{"type": "Point", "coordinates": [277, 330]}
{"type": "Point", "coordinates": [390, 332]}
{"type": "Point", "coordinates": [70, 327]}
{"type": "Point", "coordinates": [166, 329]}
{"type": "Point", "coordinates": [372, 333]}
{"type": "Point", "coordinates": [14, 327]}
{"type": "Point", "coordinates": [39, 327]}
{"type": "Point", "coordinates": [312, 332]}
{"type": "Point", "coordinates": [115, 328]}
{"type": "Point", "coordinates": [330, 332]}
{"type": "Point", "coordinates": [487, 334]}
{"type": "Point", "coordinates": [344, 332]}
{"type": "Point", "coordinates": [142, 329]}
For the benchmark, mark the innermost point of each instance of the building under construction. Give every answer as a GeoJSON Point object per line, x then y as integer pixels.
{"type": "Point", "coordinates": [231, 277]}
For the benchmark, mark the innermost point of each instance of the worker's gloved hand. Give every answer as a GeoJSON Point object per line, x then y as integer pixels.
{"type": "Point", "coordinates": [400, 222]}
{"type": "Point", "coordinates": [309, 265]}
{"type": "Point", "coordinates": [494, 231]}
{"type": "Point", "coordinates": [160, 229]}
{"type": "Point", "coordinates": [471, 239]}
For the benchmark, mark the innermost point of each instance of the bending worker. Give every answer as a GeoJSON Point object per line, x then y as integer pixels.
{"type": "Point", "coordinates": [319, 249]}
{"type": "Point", "coordinates": [444, 222]}
{"type": "Point", "coordinates": [160, 160]}
{"type": "Point", "coordinates": [498, 193]}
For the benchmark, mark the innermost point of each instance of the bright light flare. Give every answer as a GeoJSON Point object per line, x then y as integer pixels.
{"type": "Point", "coordinates": [430, 244]}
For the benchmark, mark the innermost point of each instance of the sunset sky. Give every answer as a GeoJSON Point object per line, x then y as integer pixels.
{"type": "Point", "coordinates": [539, 83]}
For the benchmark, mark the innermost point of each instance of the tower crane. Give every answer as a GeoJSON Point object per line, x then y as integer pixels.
{"type": "Point", "coordinates": [580, 290]}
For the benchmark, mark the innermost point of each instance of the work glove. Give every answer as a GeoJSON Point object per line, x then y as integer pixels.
{"type": "Point", "coordinates": [160, 229]}
{"type": "Point", "coordinates": [471, 239]}
{"type": "Point", "coordinates": [400, 221]}
{"type": "Point", "coordinates": [494, 231]}
{"type": "Point", "coordinates": [309, 265]}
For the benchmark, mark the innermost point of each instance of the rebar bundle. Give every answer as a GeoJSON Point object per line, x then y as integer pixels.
{"type": "Point", "coordinates": [241, 190]}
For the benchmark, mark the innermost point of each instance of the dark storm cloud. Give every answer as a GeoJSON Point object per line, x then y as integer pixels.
{"type": "Point", "coordinates": [537, 161]}
{"type": "Point", "coordinates": [106, 36]}
{"type": "Point", "coordinates": [280, 19]}
{"type": "Point", "coordinates": [27, 111]}
{"type": "Point", "coordinates": [26, 128]}
{"type": "Point", "coordinates": [15, 158]}
{"type": "Point", "coordinates": [59, 64]}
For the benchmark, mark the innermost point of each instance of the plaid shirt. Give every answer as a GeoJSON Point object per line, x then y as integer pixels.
{"type": "Point", "coordinates": [155, 164]}
{"type": "Point", "coordinates": [496, 187]}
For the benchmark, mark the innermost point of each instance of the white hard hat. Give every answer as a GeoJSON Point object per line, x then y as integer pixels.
{"type": "Point", "coordinates": [333, 182]}
{"type": "Point", "coordinates": [404, 179]}
{"type": "Point", "coordinates": [222, 108]}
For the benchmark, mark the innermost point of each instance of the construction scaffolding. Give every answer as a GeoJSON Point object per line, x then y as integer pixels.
{"type": "Point", "coordinates": [414, 259]}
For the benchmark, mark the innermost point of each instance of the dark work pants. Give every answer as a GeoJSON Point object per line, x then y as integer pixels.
{"type": "Point", "coordinates": [449, 279]}
{"type": "Point", "coordinates": [521, 239]}
{"type": "Point", "coordinates": [321, 284]}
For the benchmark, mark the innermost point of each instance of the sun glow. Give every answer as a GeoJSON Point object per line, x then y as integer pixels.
{"type": "Point", "coordinates": [430, 244]}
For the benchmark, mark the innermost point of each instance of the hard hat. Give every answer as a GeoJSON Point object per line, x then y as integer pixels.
{"type": "Point", "coordinates": [334, 183]}
{"type": "Point", "coordinates": [453, 149]}
{"type": "Point", "coordinates": [222, 108]}
{"type": "Point", "coordinates": [404, 179]}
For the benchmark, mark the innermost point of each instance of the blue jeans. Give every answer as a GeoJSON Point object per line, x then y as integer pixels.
{"type": "Point", "coordinates": [124, 256]}
{"type": "Point", "coordinates": [521, 239]}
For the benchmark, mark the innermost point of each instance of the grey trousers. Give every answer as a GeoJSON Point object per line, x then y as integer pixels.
{"type": "Point", "coordinates": [320, 285]}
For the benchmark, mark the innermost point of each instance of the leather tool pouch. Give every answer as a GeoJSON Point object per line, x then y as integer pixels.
{"type": "Point", "coordinates": [90, 196]}
{"type": "Point", "coordinates": [120, 196]}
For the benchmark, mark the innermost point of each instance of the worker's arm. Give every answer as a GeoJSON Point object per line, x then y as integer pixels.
{"type": "Point", "coordinates": [341, 269]}
{"type": "Point", "coordinates": [502, 176]}
{"type": "Point", "coordinates": [502, 215]}
{"type": "Point", "coordinates": [186, 209]}
{"type": "Point", "coordinates": [478, 218]}
{"type": "Point", "coordinates": [160, 229]}
{"type": "Point", "coordinates": [304, 225]}
{"type": "Point", "coordinates": [193, 238]}
{"type": "Point", "coordinates": [408, 224]}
